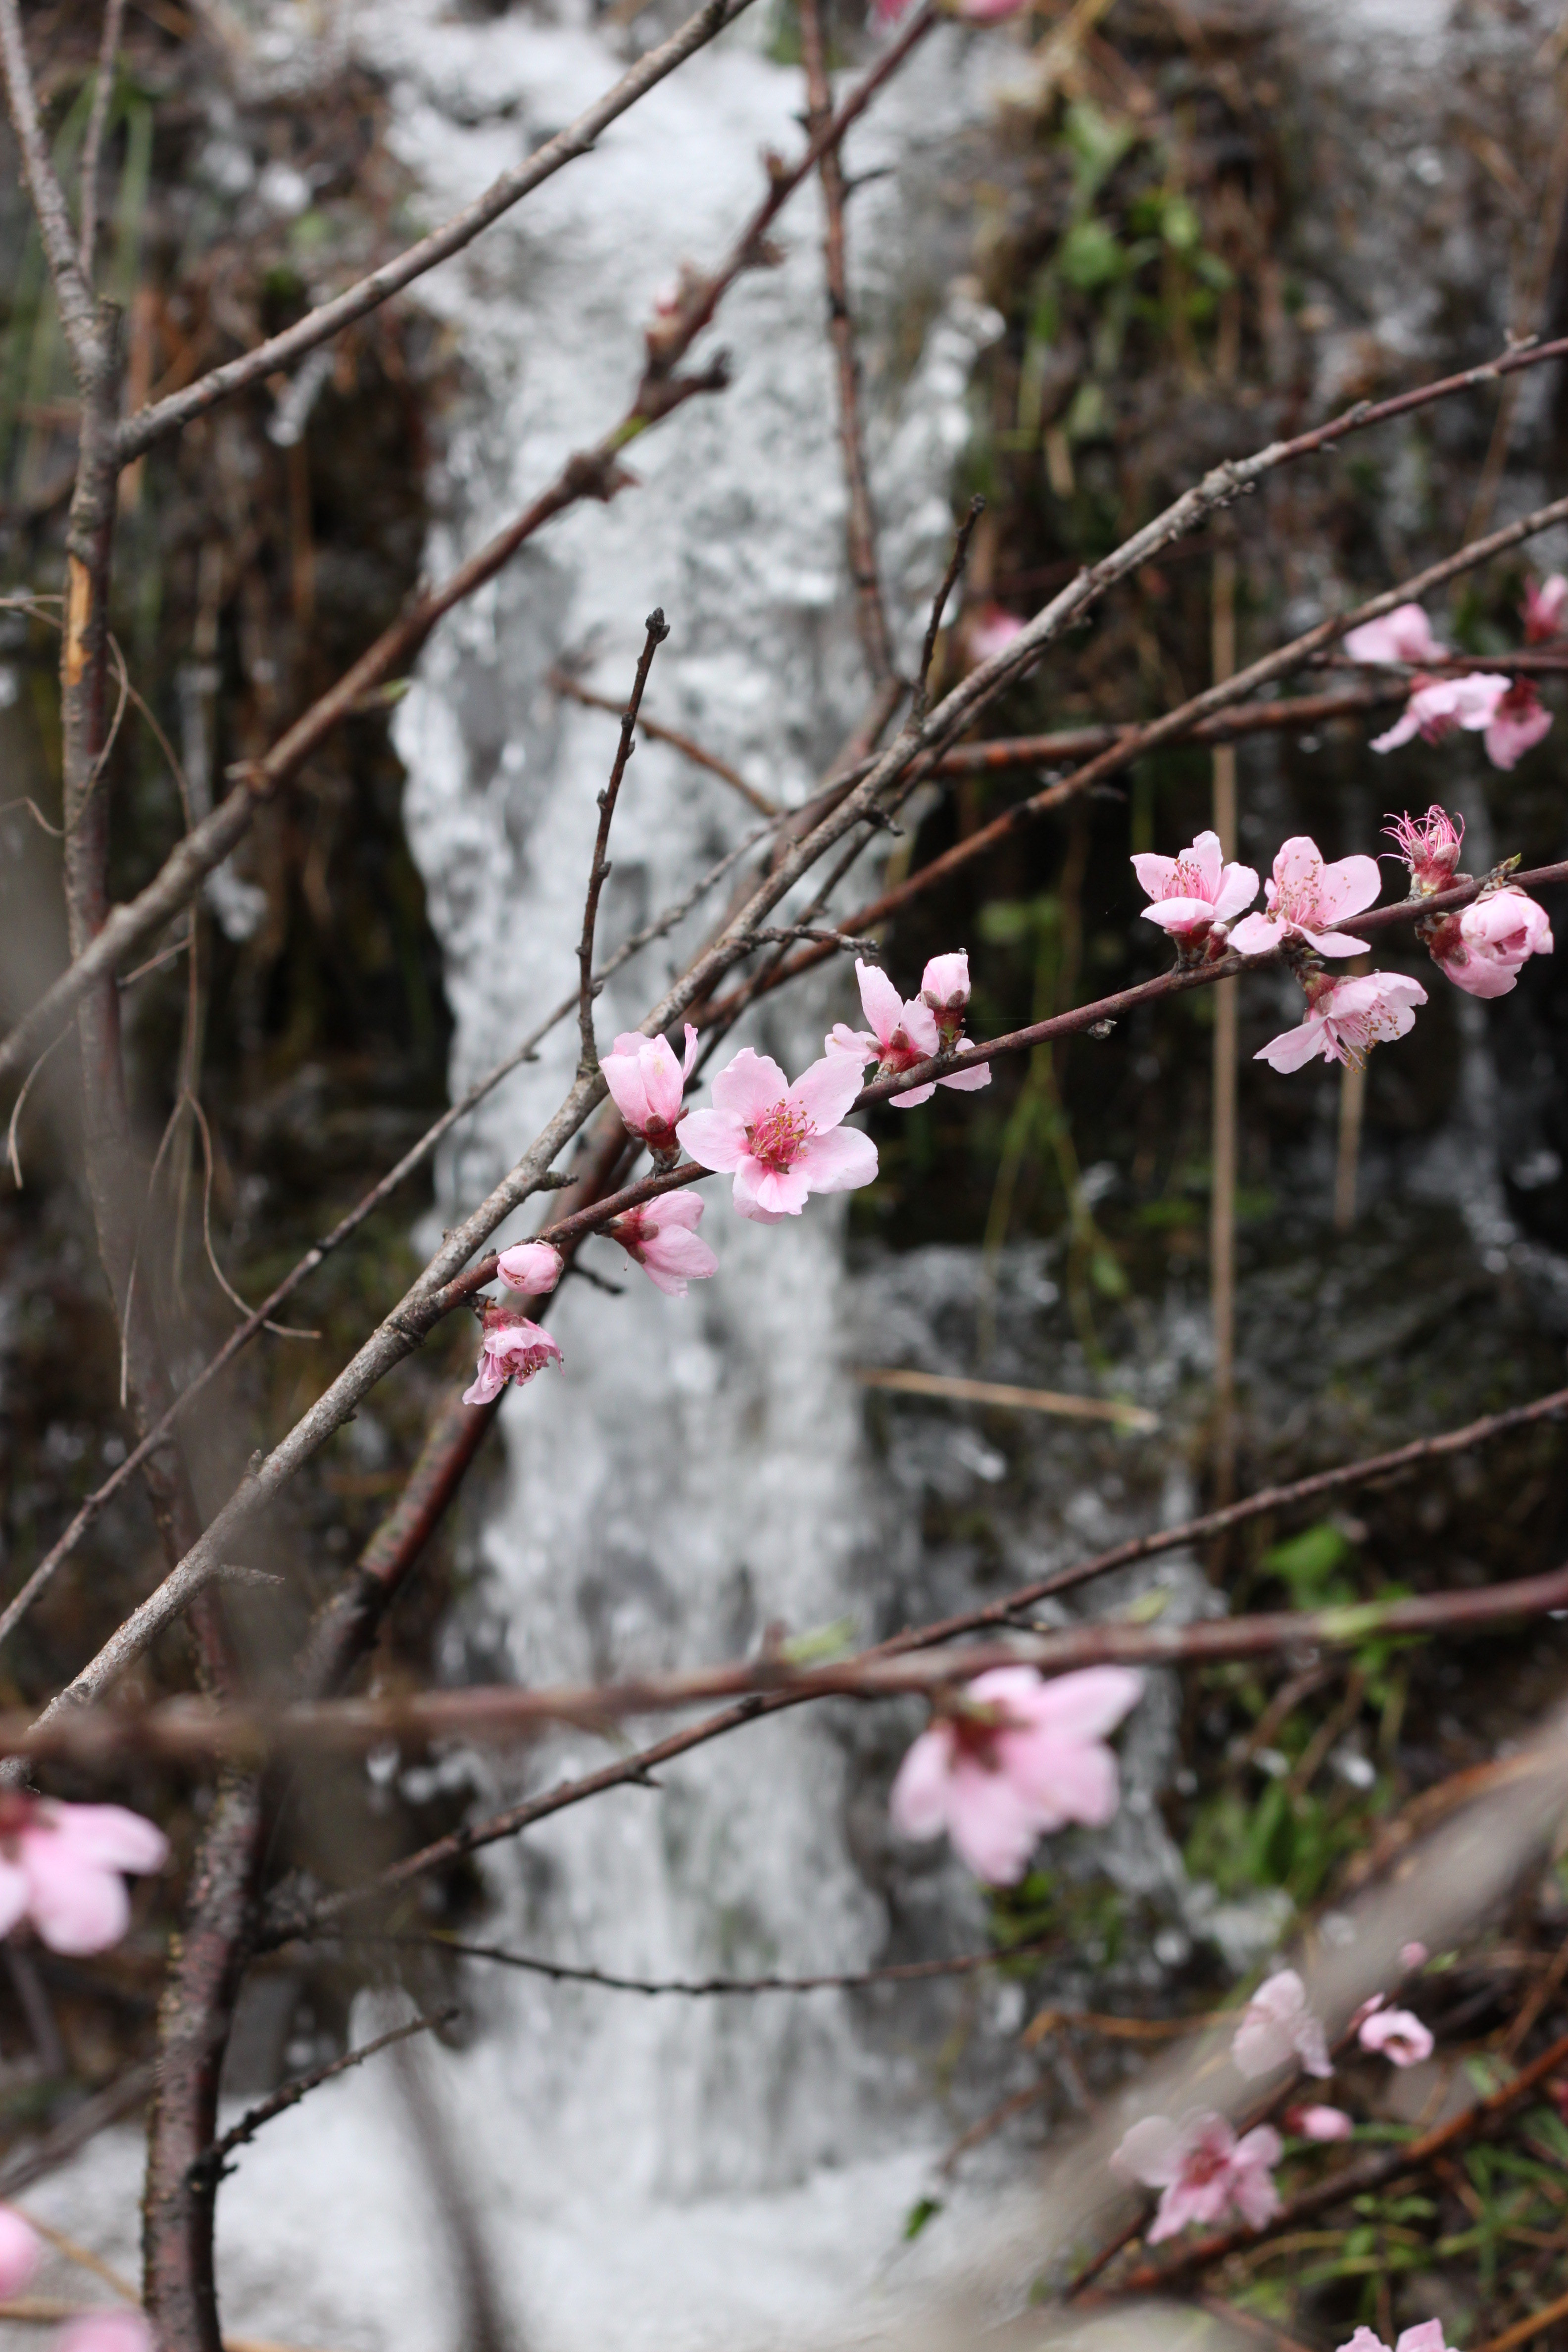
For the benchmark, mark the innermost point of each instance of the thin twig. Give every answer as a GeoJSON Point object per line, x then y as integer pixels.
{"type": "Point", "coordinates": [12, 1153]}
{"type": "Point", "coordinates": [949, 579]}
{"type": "Point", "coordinates": [92, 146]}
{"type": "Point", "coordinates": [657, 629]}
{"type": "Point", "coordinates": [702, 1988]}
{"type": "Point", "coordinates": [564, 683]}
{"type": "Point", "coordinates": [215, 2159]}
{"type": "Point", "coordinates": [79, 312]}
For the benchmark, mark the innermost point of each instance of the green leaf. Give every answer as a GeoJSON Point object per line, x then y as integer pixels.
{"type": "Point", "coordinates": [1307, 1561]}
{"type": "Point", "coordinates": [1105, 1273]}
{"type": "Point", "coordinates": [1097, 142]}
{"type": "Point", "coordinates": [924, 2209]}
{"type": "Point", "coordinates": [1179, 223]}
{"type": "Point", "coordinates": [1092, 256]}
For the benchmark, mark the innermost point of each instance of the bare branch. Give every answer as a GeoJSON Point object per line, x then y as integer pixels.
{"type": "Point", "coordinates": [79, 312]}
{"type": "Point", "coordinates": [702, 1988]}
{"type": "Point", "coordinates": [91, 147]}
{"type": "Point", "coordinates": [598, 870]}
{"type": "Point", "coordinates": [566, 684]}
{"type": "Point", "coordinates": [215, 2159]}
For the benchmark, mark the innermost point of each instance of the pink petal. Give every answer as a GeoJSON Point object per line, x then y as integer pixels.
{"type": "Point", "coordinates": [111, 1836]}
{"type": "Point", "coordinates": [690, 1054]}
{"type": "Point", "coordinates": [1155, 874]}
{"type": "Point", "coordinates": [990, 1826]}
{"type": "Point", "coordinates": [1179, 914]}
{"type": "Point", "coordinates": [1237, 891]}
{"type": "Point", "coordinates": [967, 1082]}
{"type": "Point", "coordinates": [776, 1192]}
{"type": "Point", "coordinates": [1149, 2151]}
{"type": "Point", "coordinates": [105, 2331]}
{"type": "Point", "coordinates": [1063, 1779]}
{"type": "Point", "coordinates": [19, 2251]}
{"type": "Point", "coordinates": [684, 1208]}
{"type": "Point", "coordinates": [945, 980]}
{"type": "Point", "coordinates": [76, 1908]}
{"type": "Point", "coordinates": [842, 1039]}
{"type": "Point", "coordinates": [1086, 1704]}
{"type": "Point", "coordinates": [1257, 935]}
{"type": "Point", "coordinates": [1426, 2337]}
{"type": "Point", "coordinates": [916, 1095]}
{"type": "Point", "coordinates": [13, 1895]}
{"type": "Point", "coordinates": [714, 1138]}
{"type": "Point", "coordinates": [839, 1162]}
{"type": "Point", "coordinates": [1319, 2122]}
{"type": "Point", "coordinates": [1508, 740]}
{"type": "Point", "coordinates": [825, 1090]}
{"type": "Point", "coordinates": [1364, 2340]}
{"type": "Point", "coordinates": [622, 1075]}
{"type": "Point", "coordinates": [748, 1087]}
{"type": "Point", "coordinates": [487, 1384]}
{"type": "Point", "coordinates": [1334, 944]}
{"type": "Point", "coordinates": [671, 1260]}
{"type": "Point", "coordinates": [1348, 885]}
{"type": "Point", "coordinates": [883, 1004]}
{"type": "Point", "coordinates": [917, 1801]}
{"type": "Point", "coordinates": [1295, 1047]}
{"type": "Point", "coordinates": [1406, 725]}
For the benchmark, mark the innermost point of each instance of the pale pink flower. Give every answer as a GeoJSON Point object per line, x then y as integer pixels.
{"type": "Point", "coordinates": [513, 1348]}
{"type": "Point", "coordinates": [1307, 897]}
{"type": "Point", "coordinates": [988, 630]}
{"type": "Point", "coordinates": [19, 2251]}
{"type": "Point", "coordinates": [944, 987]}
{"type": "Point", "coordinates": [1426, 2337]}
{"type": "Point", "coordinates": [1482, 948]}
{"type": "Point", "coordinates": [60, 1867]}
{"type": "Point", "coordinates": [532, 1268]}
{"type": "Point", "coordinates": [105, 2331]}
{"type": "Point", "coordinates": [1319, 2123]}
{"type": "Point", "coordinates": [1204, 2170]}
{"type": "Point", "coordinates": [1397, 2034]}
{"type": "Point", "coordinates": [1438, 705]}
{"type": "Point", "coordinates": [1413, 1955]}
{"type": "Point", "coordinates": [1019, 1759]}
{"type": "Point", "coordinates": [1429, 846]}
{"type": "Point", "coordinates": [988, 12]}
{"type": "Point", "coordinates": [648, 1085]}
{"type": "Point", "coordinates": [1402, 635]}
{"type": "Point", "coordinates": [781, 1141]}
{"type": "Point", "coordinates": [1518, 724]}
{"type": "Point", "coordinates": [1276, 2025]}
{"type": "Point", "coordinates": [1196, 891]}
{"type": "Point", "coordinates": [662, 1237]}
{"type": "Point", "coordinates": [1543, 609]}
{"type": "Point", "coordinates": [902, 1035]}
{"type": "Point", "coordinates": [1346, 1018]}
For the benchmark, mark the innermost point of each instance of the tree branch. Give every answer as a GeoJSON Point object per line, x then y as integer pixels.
{"type": "Point", "coordinates": [79, 312]}
{"type": "Point", "coordinates": [657, 629]}
{"type": "Point", "coordinates": [92, 146]}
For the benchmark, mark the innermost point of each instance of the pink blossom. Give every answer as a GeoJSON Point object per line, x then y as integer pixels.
{"type": "Point", "coordinates": [1426, 2337]}
{"type": "Point", "coordinates": [19, 2251]}
{"type": "Point", "coordinates": [513, 1348]}
{"type": "Point", "coordinates": [987, 12]}
{"type": "Point", "coordinates": [1413, 1955]}
{"type": "Point", "coordinates": [1204, 2170]}
{"type": "Point", "coordinates": [1482, 948]}
{"type": "Point", "coordinates": [647, 1084]}
{"type": "Point", "coordinates": [1196, 891]}
{"type": "Point", "coordinates": [1438, 705]}
{"type": "Point", "coordinates": [532, 1268]}
{"type": "Point", "coordinates": [1400, 2036]}
{"type": "Point", "coordinates": [1019, 1759]}
{"type": "Point", "coordinates": [1519, 722]}
{"type": "Point", "coordinates": [988, 630]}
{"type": "Point", "coordinates": [1319, 2123]}
{"type": "Point", "coordinates": [944, 988]}
{"type": "Point", "coordinates": [105, 2331]}
{"type": "Point", "coordinates": [662, 1237]}
{"type": "Point", "coordinates": [1402, 635]}
{"type": "Point", "coordinates": [1543, 609]}
{"type": "Point", "coordinates": [1346, 1018]}
{"type": "Point", "coordinates": [60, 1867]}
{"type": "Point", "coordinates": [781, 1141]}
{"type": "Point", "coordinates": [902, 1035]}
{"type": "Point", "coordinates": [1276, 2025]}
{"type": "Point", "coordinates": [1307, 897]}
{"type": "Point", "coordinates": [1430, 847]}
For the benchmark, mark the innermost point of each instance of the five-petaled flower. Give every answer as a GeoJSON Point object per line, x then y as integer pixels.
{"type": "Point", "coordinates": [647, 1085]}
{"type": "Point", "coordinates": [1017, 1759]}
{"type": "Point", "coordinates": [1439, 705]}
{"type": "Point", "coordinates": [1196, 893]}
{"type": "Point", "coordinates": [662, 1236]}
{"type": "Point", "coordinates": [1402, 635]}
{"type": "Point", "coordinates": [532, 1267]}
{"type": "Point", "coordinates": [1319, 2123]}
{"type": "Point", "coordinates": [782, 1143]}
{"type": "Point", "coordinates": [60, 1867]}
{"type": "Point", "coordinates": [1517, 725]}
{"type": "Point", "coordinates": [1430, 846]}
{"type": "Point", "coordinates": [1346, 1018]}
{"type": "Point", "coordinates": [1544, 606]}
{"type": "Point", "coordinates": [1482, 948]}
{"type": "Point", "coordinates": [1202, 2169]}
{"type": "Point", "coordinates": [1398, 2035]}
{"type": "Point", "coordinates": [511, 1349]}
{"type": "Point", "coordinates": [902, 1035]}
{"type": "Point", "coordinates": [1306, 898]}
{"type": "Point", "coordinates": [1427, 2336]}
{"type": "Point", "coordinates": [1277, 2024]}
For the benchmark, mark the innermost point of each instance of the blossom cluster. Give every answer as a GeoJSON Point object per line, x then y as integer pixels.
{"type": "Point", "coordinates": [1506, 712]}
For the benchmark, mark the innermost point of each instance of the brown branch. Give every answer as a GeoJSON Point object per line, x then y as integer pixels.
{"type": "Point", "coordinates": [657, 629]}
{"type": "Point", "coordinates": [702, 1988]}
{"type": "Point", "coordinates": [1006, 751]}
{"type": "Point", "coordinates": [213, 2160]}
{"type": "Point", "coordinates": [80, 316]}
{"type": "Point", "coordinates": [184, 1730]}
{"type": "Point", "coordinates": [860, 521]}
{"type": "Point", "coordinates": [564, 683]}
{"type": "Point", "coordinates": [281, 351]}
{"type": "Point", "coordinates": [92, 144]}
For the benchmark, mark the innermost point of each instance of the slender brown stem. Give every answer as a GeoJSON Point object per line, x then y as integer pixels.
{"type": "Point", "coordinates": [598, 871]}
{"type": "Point", "coordinates": [215, 2159]}
{"type": "Point", "coordinates": [719, 1987]}
{"type": "Point", "coordinates": [92, 144]}
{"type": "Point", "coordinates": [859, 521]}
{"type": "Point", "coordinates": [80, 316]}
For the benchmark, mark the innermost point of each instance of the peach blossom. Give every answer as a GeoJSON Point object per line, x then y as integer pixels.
{"type": "Point", "coordinates": [1202, 2169]}
{"type": "Point", "coordinates": [532, 1268]}
{"type": "Point", "coordinates": [1543, 609]}
{"type": "Point", "coordinates": [511, 1349]}
{"type": "Point", "coordinates": [1278, 2025]}
{"type": "Point", "coordinates": [988, 630]}
{"type": "Point", "coordinates": [1306, 898]}
{"type": "Point", "coordinates": [904, 1034]}
{"type": "Point", "coordinates": [1439, 705]}
{"type": "Point", "coordinates": [1518, 724]}
{"type": "Point", "coordinates": [1399, 2036]}
{"type": "Point", "coordinates": [60, 1867]}
{"type": "Point", "coordinates": [782, 1143]}
{"type": "Point", "coordinates": [1402, 635]}
{"type": "Point", "coordinates": [648, 1085]}
{"type": "Point", "coordinates": [1482, 948]}
{"type": "Point", "coordinates": [1427, 2336]}
{"type": "Point", "coordinates": [1020, 1757]}
{"type": "Point", "coordinates": [1319, 2123]}
{"type": "Point", "coordinates": [1430, 847]}
{"type": "Point", "coordinates": [1196, 892]}
{"type": "Point", "coordinates": [1346, 1018]}
{"type": "Point", "coordinates": [662, 1236]}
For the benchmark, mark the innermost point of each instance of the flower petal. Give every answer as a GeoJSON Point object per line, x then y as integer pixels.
{"type": "Point", "coordinates": [916, 1803]}
{"type": "Point", "coordinates": [1236, 890]}
{"type": "Point", "coordinates": [714, 1138]}
{"type": "Point", "coordinates": [883, 1005]}
{"type": "Point", "coordinates": [825, 1090]}
{"type": "Point", "coordinates": [1156, 875]}
{"type": "Point", "coordinates": [747, 1087]}
{"type": "Point", "coordinates": [1348, 886]}
{"type": "Point", "coordinates": [1257, 935]}
{"type": "Point", "coordinates": [837, 1163]}
{"type": "Point", "coordinates": [76, 1906]}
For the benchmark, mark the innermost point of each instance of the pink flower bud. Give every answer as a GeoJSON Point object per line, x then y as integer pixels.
{"type": "Point", "coordinates": [1399, 2036]}
{"type": "Point", "coordinates": [1319, 2123]}
{"type": "Point", "coordinates": [662, 1236]}
{"type": "Point", "coordinates": [1483, 949]}
{"type": "Point", "coordinates": [648, 1085]}
{"type": "Point", "coordinates": [1402, 635]}
{"type": "Point", "coordinates": [1413, 1955]}
{"type": "Point", "coordinates": [532, 1268]}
